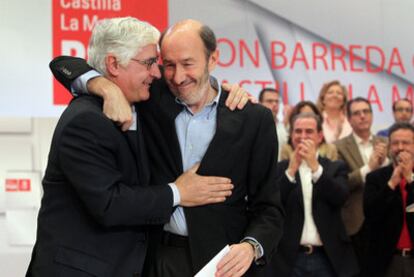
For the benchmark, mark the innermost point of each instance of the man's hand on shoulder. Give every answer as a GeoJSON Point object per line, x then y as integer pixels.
{"type": "Point", "coordinates": [238, 97]}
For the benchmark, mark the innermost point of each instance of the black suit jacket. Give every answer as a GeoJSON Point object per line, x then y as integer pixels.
{"type": "Point", "coordinates": [383, 210]}
{"type": "Point", "coordinates": [244, 149]}
{"type": "Point", "coordinates": [95, 206]}
{"type": "Point", "coordinates": [329, 194]}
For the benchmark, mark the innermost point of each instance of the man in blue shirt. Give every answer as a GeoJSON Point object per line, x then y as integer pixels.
{"type": "Point", "coordinates": [402, 110]}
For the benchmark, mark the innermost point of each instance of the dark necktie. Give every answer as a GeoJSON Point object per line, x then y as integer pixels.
{"type": "Point", "coordinates": [143, 167]}
{"type": "Point", "coordinates": [136, 141]}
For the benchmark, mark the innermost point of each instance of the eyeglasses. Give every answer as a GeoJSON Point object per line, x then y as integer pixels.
{"type": "Point", "coordinates": [408, 110]}
{"type": "Point", "coordinates": [148, 62]}
{"type": "Point", "coordinates": [361, 112]}
{"type": "Point", "coordinates": [270, 101]}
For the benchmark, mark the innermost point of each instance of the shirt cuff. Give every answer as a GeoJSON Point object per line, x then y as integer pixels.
{"type": "Point", "coordinates": [317, 174]}
{"type": "Point", "coordinates": [79, 85]}
{"type": "Point", "coordinates": [261, 250]}
{"type": "Point", "coordinates": [176, 194]}
{"type": "Point", "coordinates": [290, 178]}
{"type": "Point", "coordinates": [364, 171]}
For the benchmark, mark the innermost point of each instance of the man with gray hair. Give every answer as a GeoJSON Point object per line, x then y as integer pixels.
{"type": "Point", "coordinates": [97, 199]}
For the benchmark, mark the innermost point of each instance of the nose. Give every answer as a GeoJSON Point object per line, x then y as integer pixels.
{"type": "Point", "coordinates": [155, 71]}
{"type": "Point", "coordinates": [179, 75]}
{"type": "Point", "coordinates": [303, 135]}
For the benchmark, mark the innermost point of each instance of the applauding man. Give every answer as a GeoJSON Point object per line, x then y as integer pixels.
{"type": "Point", "coordinates": [313, 190]}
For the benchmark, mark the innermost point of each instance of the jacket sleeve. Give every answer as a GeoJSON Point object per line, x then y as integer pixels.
{"type": "Point", "coordinates": [66, 69]}
{"type": "Point", "coordinates": [264, 203]}
{"type": "Point", "coordinates": [332, 185]}
{"type": "Point", "coordinates": [378, 196]}
{"type": "Point", "coordinates": [354, 176]}
{"type": "Point", "coordinates": [89, 155]}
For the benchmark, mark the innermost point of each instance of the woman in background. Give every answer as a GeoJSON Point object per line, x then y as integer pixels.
{"type": "Point", "coordinates": [331, 103]}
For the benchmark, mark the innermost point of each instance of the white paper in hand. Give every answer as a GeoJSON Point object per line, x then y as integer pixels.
{"type": "Point", "coordinates": [410, 208]}
{"type": "Point", "coordinates": [210, 269]}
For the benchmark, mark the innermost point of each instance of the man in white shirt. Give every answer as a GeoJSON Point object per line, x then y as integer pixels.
{"type": "Point", "coordinates": [269, 98]}
{"type": "Point", "coordinates": [313, 190]}
{"type": "Point", "coordinates": [363, 152]}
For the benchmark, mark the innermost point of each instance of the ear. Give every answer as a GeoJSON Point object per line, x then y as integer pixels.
{"type": "Point", "coordinates": [112, 65]}
{"type": "Point", "coordinates": [320, 138]}
{"type": "Point", "coordinates": [212, 61]}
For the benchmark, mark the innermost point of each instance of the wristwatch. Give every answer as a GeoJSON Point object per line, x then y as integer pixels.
{"type": "Point", "coordinates": [256, 248]}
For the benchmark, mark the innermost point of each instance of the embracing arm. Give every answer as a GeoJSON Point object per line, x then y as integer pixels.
{"type": "Point", "coordinates": [78, 77]}
{"type": "Point", "coordinates": [67, 69]}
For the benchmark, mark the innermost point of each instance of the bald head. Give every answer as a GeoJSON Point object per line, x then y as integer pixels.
{"type": "Point", "coordinates": [191, 27]}
{"type": "Point", "coordinates": [186, 25]}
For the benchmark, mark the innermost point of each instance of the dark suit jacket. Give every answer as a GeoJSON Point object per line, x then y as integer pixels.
{"type": "Point", "coordinates": [329, 194]}
{"type": "Point", "coordinates": [244, 149]}
{"type": "Point", "coordinates": [95, 206]}
{"type": "Point", "coordinates": [383, 210]}
{"type": "Point", "coordinates": [352, 212]}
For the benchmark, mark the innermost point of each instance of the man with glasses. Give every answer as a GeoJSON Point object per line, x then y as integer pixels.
{"type": "Point", "coordinates": [362, 152]}
{"type": "Point", "coordinates": [402, 111]}
{"type": "Point", "coordinates": [269, 98]}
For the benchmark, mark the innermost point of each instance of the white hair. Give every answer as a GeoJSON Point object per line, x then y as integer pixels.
{"type": "Point", "coordinates": [123, 37]}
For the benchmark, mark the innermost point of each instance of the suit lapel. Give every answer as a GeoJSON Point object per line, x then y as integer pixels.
{"type": "Point", "coordinates": [170, 110]}
{"type": "Point", "coordinates": [142, 153]}
{"type": "Point", "coordinates": [228, 129]}
{"type": "Point", "coordinates": [300, 191]}
{"type": "Point", "coordinates": [354, 150]}
{"type": "Point", "coordinates": [131, 138]}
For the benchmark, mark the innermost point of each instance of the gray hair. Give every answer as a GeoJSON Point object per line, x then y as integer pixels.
{"type": "Point", "coordinates": [123, 37]}
{"type": "Point", "coordinates": [317, 118]}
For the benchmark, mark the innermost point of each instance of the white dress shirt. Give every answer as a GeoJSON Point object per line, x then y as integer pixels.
{"type": "Point", "coordinates": [310, 234]}
{"type": "Point", "coordinates": [366, 148]}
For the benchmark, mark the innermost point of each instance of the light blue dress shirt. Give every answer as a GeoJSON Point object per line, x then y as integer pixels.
{"type": "Point", "coordinates": [194, 132]}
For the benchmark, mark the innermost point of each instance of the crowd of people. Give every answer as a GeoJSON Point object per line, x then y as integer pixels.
{"type": "Point", "coordinates": [374, 194]}
{"type": "Point", "coordinates": [156, 168]}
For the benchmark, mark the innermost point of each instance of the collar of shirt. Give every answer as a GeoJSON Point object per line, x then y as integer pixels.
{"type": "Point", "coordinates": [360, 141]}
{"type": "Point", "coordinates": [133, 126]}
{"type": "Point", "coordinates": [214, 83]}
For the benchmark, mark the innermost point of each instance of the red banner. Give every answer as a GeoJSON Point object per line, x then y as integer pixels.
{"type": "Point", "coordinates": [73, 21]}
{"type": "Point", "coordinates": [16, 185]}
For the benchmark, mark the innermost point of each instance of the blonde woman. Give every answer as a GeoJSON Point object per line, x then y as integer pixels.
{"type": "Point", "coordinates": [331, 103]}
